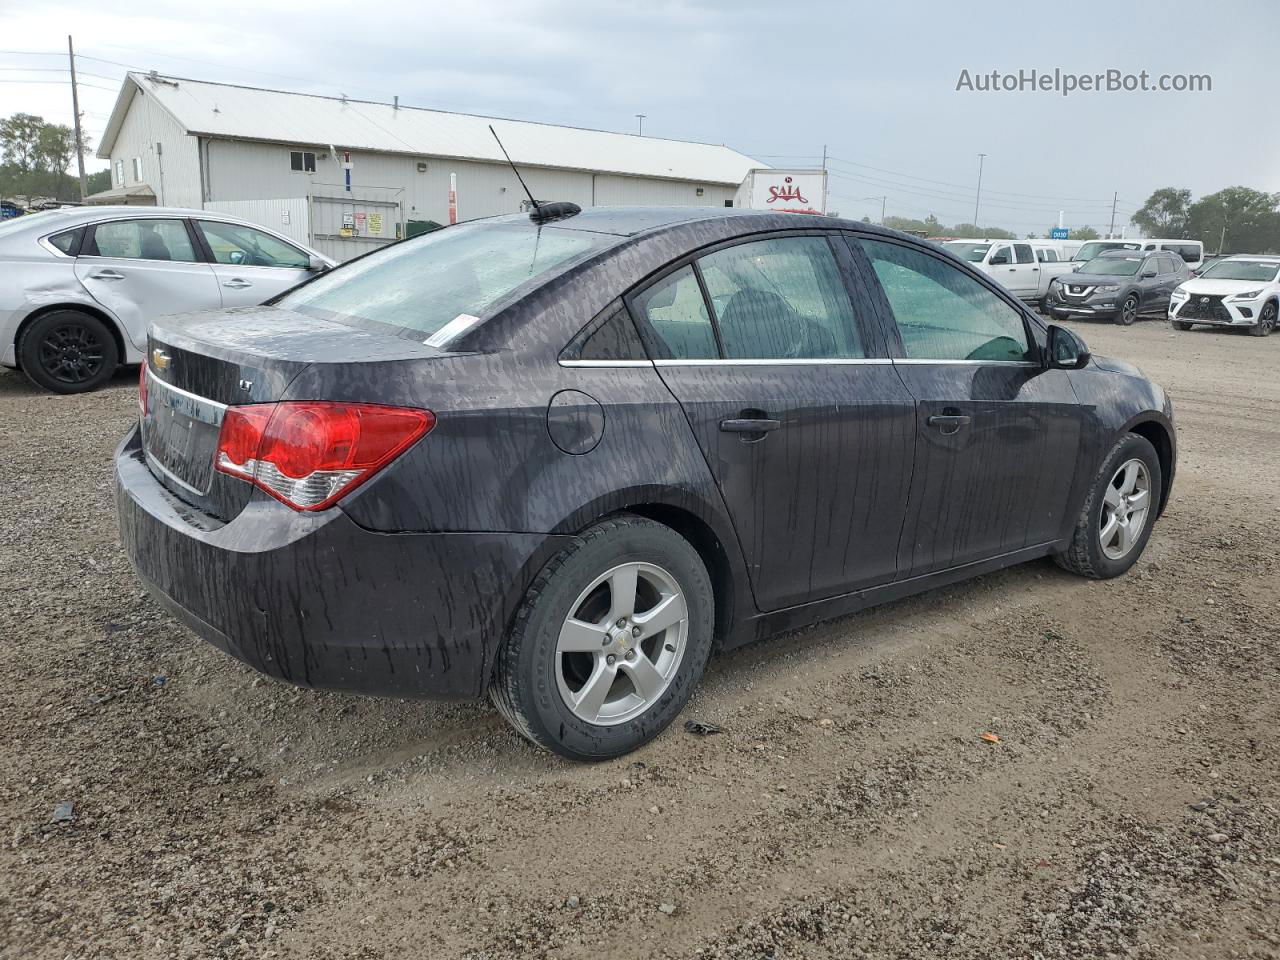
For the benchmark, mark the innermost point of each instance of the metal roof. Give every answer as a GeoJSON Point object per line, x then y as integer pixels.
{"type": "Point", "coordinates": [251, 113]}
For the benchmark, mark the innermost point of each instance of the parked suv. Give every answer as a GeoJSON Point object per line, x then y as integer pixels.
{"type": "Point", "coordinates": [557, 459]}
{"type": "Point", "coordinates": [1118, 285]}
{"type": "Point", "coordinates": [1235, 291]}
{"type": "Point", "coordinates": [79, 285]}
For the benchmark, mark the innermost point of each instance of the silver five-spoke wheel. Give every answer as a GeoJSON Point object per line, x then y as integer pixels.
{"type": "Point", "coordinates": [622, 643]}
{"type": "Point", "coordinates": [1125, 508]}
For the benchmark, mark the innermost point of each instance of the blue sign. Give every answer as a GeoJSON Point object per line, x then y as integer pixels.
{"type": "Point", "coordinates": [1059, 233]}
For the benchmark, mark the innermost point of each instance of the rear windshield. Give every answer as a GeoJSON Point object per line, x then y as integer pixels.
{"type": "Point", "coordinates": [1242, 270]}
{"type": "Point", "coordinates": [973, 252]}
{"type": "Point", "coordinates": [1112, 266]}
{"type": "Point", "coordinates": [415, 288]}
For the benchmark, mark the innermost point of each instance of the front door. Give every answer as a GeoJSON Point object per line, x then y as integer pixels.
{"type": "Point", "coordinates": [805, 426]}
{"type": "Point", "coordinates": [145, 268]}
{"type": "Point", "coordinates": [996, 433]}
{"type": "Point", "coordinates": [251, 265]}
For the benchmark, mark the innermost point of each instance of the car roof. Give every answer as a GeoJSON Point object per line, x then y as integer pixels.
{"type": "Point", "coordinates": [1251, 258]}
{"type": "Point", "coordinates": [634, 221]}
{"type": "Point", "coordinates": [1128, 254]}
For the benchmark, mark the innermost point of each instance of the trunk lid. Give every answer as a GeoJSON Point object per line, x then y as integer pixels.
{"type": "Point", "coordinates": [199, 364]}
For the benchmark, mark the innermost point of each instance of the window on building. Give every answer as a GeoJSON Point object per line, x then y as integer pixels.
{"type": "Point", "coordinates": [304, 161]}
{"type": "Point", "coordinates": [119, 173]}
{"type": "Point", "coordinates": [137, 169]}
{"type": "Point", "coordinates": [143, 240]}
{"type": "Point", "coordinates": [942, 313]}
{"type": "Point", "coordinates": [237, 244]}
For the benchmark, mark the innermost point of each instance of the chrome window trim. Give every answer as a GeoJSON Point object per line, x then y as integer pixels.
{"type": "Point", "coordinates": [44, 242]}
{"type": "Point", "coordinates": [968, 363]}
{"type": "Point", "coordinates": [606, 363]}
{"type": "Point", "coordinates": [757, 362]}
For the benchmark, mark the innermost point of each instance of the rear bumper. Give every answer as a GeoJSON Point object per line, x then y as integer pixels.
{"type": "Point", "coordinates": [317, 600]}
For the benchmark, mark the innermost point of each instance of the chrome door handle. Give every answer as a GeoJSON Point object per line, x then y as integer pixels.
{"type": "Point", "coordinates": [762, 425]}
{"type": "Point", "coordinates": [950, 423]}
{"type": "Point", "coordinates": [236, 283]}
{"type": "Point", "coordinates": [106, 275]}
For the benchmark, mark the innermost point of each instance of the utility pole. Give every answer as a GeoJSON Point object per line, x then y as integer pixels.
{"type": "Point", "coordinates": [824, 178]}
{"type": "Point", "coordinates": [883, 201]}
{"type": "Point", "coordinates": [1114, 197]}
{"type": "Point", "coordinates": [75, 113]}
{"type": "Point", "coordinates": [978, 195]}
{"type": "Point", "coordinates": [640, 117]}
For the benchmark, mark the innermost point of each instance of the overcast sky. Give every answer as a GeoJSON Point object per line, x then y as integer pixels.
{"type": "Point", "coordinates": [875, 84]}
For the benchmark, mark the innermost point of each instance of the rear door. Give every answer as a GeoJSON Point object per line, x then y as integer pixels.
{"type": "Point", "coordinates": [1026, 274]}
{"type": "Point", "coordinates": [997, 434]}
{"type": "Point", "coordinates": [144, 268]}
{"type": "Point", "coordinates": [805, 426]}
{"type": "Point", "coordinates": [251, 265]}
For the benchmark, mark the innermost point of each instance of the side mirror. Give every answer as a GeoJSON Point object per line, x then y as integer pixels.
{"type": "Point", "coordinates": [316, 265]}
{"type": "Point", "coordinates": [1065, 351]}
{"type": "Point", "coordinates": [1148, 274]}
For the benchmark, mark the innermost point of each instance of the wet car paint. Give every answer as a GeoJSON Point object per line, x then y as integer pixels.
{"type": "Point", "coordinates": [864, 502]}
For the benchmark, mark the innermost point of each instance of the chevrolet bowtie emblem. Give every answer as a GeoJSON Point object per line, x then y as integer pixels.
{"type": "Point", "coordinates": [160, 360]}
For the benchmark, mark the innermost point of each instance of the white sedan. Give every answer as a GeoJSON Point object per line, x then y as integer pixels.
{"type": "Point", "coordinates": [1240, 291]}
{"type": "Point", "coordinates": [78, 286]}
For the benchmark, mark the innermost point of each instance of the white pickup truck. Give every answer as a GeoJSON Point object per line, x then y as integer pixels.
{"type": "Point", "coordinates": [1024, 267]}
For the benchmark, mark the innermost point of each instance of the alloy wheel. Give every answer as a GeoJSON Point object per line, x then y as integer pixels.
{"type": "Point", "coordinates": [1268, 318]}
{"type": "Point", "coordinates": [71, 353]}
{"type": "Point", "coordinates": [1129, 311]}
{"type": "Point", "coordinates": [1125, 507]}
{"type": "Point", "coordinates": [622, 643]}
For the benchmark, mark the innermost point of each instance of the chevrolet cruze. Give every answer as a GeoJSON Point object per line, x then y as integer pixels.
{"type": "Point", "coordinates": [558, 459]}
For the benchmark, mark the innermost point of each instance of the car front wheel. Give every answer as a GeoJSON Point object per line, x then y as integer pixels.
{"type": "Point", "coordinates": [1115, 523]}
{"type": "Point", "coordinates": [609, 642]}
{"type": "Point", "coordinates": [67, 351]}
{"type": "Point", "coordinates": [1266, 321]}
{"type": "Point", "coordinates": [1128, 311]}
{"type": "Point", "coordinates": [1181, 325]}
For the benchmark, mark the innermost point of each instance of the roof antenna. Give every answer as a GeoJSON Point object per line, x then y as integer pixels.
{"type": "Point", "coordinates": [528, 193]}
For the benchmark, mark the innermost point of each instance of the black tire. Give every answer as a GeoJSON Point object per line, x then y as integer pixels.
{"type": "Point", "coordinates": [1266, 321]}
{"type": "Point", "coordinates": [67, 351]}
{"type": "Point", "coordinates": [1181, 325]}
{"type": "Point", "coordinates": [526, 688]}
{"type": "Point", "coordinates": [1085, 555]}
{"type": "Point", "coordinates": [1128, 311]}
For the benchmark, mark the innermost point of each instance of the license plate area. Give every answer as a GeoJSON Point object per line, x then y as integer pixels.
{"type": "Point", "coordinates": [180, 434]}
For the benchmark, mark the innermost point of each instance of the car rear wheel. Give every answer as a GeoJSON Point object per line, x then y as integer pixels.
{"type": "Point", "coordinates": [609, 642]}
{"type": "Point", "coordinates": [1128, 311]}
{"type": "Point", "coordinates": [1266, 321]}
{"type": "Point", "coordinates": [1115, 523]}
{"type": "Point", "coordinates": [67, 351]}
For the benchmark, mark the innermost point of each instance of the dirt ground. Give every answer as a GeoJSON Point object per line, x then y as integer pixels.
{"type": "Point", "coordinates": [850, 808]}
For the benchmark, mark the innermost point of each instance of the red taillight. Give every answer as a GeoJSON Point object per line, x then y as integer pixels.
{"type": "Point", "coordinates": [142, 389]}
{"type": "Point", "coordinates": [310, 455]}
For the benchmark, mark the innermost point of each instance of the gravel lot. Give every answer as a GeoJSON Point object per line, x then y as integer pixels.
{"type": "Point", "coordinates": [850, 808]}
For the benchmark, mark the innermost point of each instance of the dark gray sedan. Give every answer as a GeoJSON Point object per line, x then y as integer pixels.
{"type": "Point", "coordinates": [1119, 285]}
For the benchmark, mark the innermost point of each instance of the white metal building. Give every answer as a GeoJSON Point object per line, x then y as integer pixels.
{"type": "Point", "coordinates": [346, 175]}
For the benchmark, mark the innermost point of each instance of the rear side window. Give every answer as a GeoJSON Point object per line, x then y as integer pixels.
{"type": "Point", "coordinates": [1189, 252]}
{"type": "Point", "coordinates": [676, 313]}
{"type": "Point", "coordinates": [144, 240]}
{"type": "Point", "coordinates": [942, 313]}
{"type": "Point", "coordinates": [416, 287]}
{"type": "Point", "coordinates": [1047, 256]}
{"type": "Point", "coordinates": [68, 241]}
{"type": "Point", "coordinates": [1025, 255]}
{"type": "Point", "coordinates": [611, 336]}
{"type": "Point", "coordinates": [781, 299]}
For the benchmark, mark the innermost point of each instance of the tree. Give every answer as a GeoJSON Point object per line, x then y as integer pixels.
{"type": "Point", "coordinates": [20, 140]}
{"type": "Point", "coordinates": [97, 182]}
{"type": "Point", "coordinates": [1084, 233]}
{"type": "Point", "coordinates": [1236, 219]}
{"type": "Point", "coordinates": [55, 147]}
{"type": "Point", "coordinates": [1165, 214]}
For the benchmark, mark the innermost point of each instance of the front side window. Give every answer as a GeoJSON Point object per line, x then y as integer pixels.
{"type": "Point", "coordinates": [237, 244]}
{"type": "Point", "coordinates": [781, 299]}
{"type": "Point", "coordinates": [416, 287]}
{"type": "Point", "coordinates": [1001, 255]}
{"type": "Point", "coordinates": [144, 240]}
{"type": "Point", "coordinates": [677, 315]}
{"type": "Point", "coordinates": [942, 313]}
